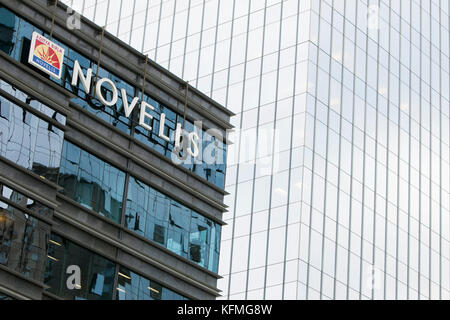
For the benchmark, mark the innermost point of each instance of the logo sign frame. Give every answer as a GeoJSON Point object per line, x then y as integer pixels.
{"type": "Point", "coordinates": [46, 55]}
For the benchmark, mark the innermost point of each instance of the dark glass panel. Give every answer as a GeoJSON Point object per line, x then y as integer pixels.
{"type": "Point", "coordinates": [173, 225]}
{"type": "Point", "coordinates": [96, 272]}
{"type": "Point", "coordinates": [23, 242]}
{"type": "Point", "coordinates": [132, 286]}
{"type": "Point", "coordinates": [92, 182]}
{"type": "Point", "coordinates": [24, 201]}
{"type": "Point", "coordinates": [4, 297]}
{"type": "Point", "coordinates": [29, 141]}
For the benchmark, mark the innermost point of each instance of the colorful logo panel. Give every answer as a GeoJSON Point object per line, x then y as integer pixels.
{"type": "Point", "coordinates": [46, 55]}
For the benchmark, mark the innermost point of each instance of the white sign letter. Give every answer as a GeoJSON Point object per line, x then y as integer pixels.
{"type": "Point", "coordinates": [128, 109]}
{"type": "Point", "coordinates": [144, 114]}
{"type": "Point", "coordinates": [85, 81]}
{"type": "Point", "coordinates": [98, 92]}
{"type": "Point", "coordinates": [161, 127]}
{"type": "Point", "coordinates": [193, 147]}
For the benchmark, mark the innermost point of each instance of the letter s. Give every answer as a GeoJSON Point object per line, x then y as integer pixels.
{"type": "Point", "coordinates": [193, 149]}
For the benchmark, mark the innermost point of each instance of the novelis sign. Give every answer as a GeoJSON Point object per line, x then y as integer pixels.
{"type": "Point", "coordinates": [189, 141]}
{"type": "Point", "coordinates": [46, 55]}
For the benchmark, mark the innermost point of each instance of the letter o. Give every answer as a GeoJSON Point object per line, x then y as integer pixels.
{"type": "Point", "coordinates": [99, 95]}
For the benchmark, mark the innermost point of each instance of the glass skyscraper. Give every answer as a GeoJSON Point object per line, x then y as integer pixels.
{"type": "Point", "coordinates": [339, 179]}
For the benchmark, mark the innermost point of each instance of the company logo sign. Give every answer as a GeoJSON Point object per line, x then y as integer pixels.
{"type": "Point", "coordinates": [46, 55]}
{"type": "Point", "coordinates": [190, 142]}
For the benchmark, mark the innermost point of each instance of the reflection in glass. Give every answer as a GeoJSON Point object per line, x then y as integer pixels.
{"type": "Point", "coordinates": [23, 238]}
{"type": "Point", "coordinates": [28, 140]}
{"type": "Point", "coordinates": [159, 218]}
{"type": "Point", "coordinates": [7, 24]}
{"type": "Point", "coordinates": [91, 182]}
{"type": "Point", "coordinates": [32, 102]}
{"type": "Point", "coordinates": [24, 201]}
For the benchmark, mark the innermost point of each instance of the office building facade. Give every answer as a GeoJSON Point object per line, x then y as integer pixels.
{"type": "Point", "coordinates": [93, 202]}
{"type": "Point", "coordinates": [351, 201]}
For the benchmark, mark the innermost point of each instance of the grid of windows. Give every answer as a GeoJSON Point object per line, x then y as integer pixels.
{"type": "Point", "coordinates": [157, 217]}
{"type": "Point", "coordinates": [100, 187]}
{"type": "Point", "coordinates": [391, 91]}
{"type": "Point", "coordinates": [353, 202]}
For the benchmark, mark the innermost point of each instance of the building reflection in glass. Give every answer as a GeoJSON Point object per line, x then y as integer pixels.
{"type": "Point", "coordinates": [92, 182]}
{"type": "Point", "coordinates": [159, 218]}
{"type": "Point", "coordinates": [23, 237]}
{"type": "Point", "coordinates": [7, 24]}
{"type": "Point", "coordinates": [26, 139]}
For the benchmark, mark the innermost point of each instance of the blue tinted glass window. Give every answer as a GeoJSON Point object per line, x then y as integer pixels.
{"type": "Point", "coordinates": [32, 102]}
{"type": "Point", "coordinates": [24, 201]}
{"type": "Point", "coordinates": [159, 218]}
{"type": "Point", "coordinates": [92, 182]}
{"type": "Point", "coordinates": [212, 148]}
{"type": "Point", "coordinates": [7, 30]}
{"type": "Point", "coordinates": [28, 140]}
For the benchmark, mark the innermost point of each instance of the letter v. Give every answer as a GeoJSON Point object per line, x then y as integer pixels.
{"type": "Point", "coordinates": [128, 109]}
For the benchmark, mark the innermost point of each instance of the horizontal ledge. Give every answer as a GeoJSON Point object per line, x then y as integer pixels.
{"type": "Point", "coordinates": [137, 254]}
